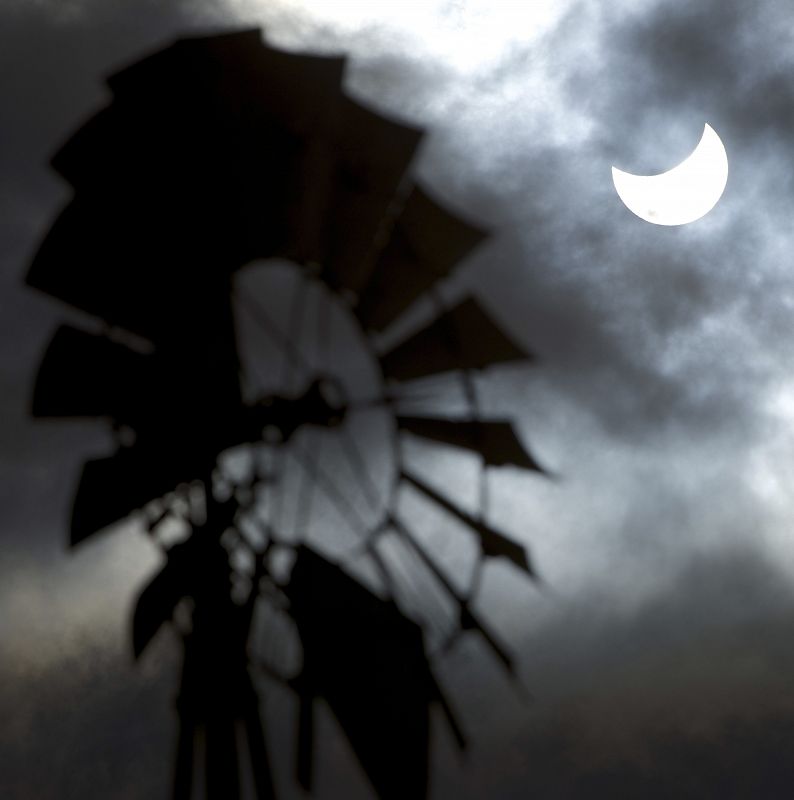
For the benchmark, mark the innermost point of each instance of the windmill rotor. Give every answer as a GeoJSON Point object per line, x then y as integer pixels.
{"type": "Point", "coordinates": [215, 154]}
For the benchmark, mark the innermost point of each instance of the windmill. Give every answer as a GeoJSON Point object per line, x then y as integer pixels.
{"type": "Point", "coordinates": [217, 153]}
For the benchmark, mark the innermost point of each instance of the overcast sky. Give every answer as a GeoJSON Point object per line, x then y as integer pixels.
{"type": "Point", "coordinates": [659, 651]}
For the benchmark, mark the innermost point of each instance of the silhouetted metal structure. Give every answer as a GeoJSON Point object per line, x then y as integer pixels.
{"type": "Point", "coordinates": [215, 152]}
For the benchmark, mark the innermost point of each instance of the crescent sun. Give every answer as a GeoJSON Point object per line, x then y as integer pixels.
{"type": "Point", "coordinates": [683, 194]}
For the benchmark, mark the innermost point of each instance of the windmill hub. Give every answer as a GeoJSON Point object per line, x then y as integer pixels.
{"type": "Point", "coordinates": [322, 404]}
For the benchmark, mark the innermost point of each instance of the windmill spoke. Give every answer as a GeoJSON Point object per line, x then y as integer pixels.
{"type": "Point", "coordinates": [467, 617]}
{"type": "Point", "coordinates": [492, 543]}
{"type": "Point", "coordinates": [258, 314]}
{"type": "Point", "coordinates": [356, 460]}
{"type": "Point", "coordinates": [494, 440]}
{"type": "Point", "coordinates": [411, 592]}
{"type": "Point", "coordinates": [294, 330]}
{"type": "Point", "coordinates": [327, 485]}
{"type": "Point", "coordinates": [308, 481]}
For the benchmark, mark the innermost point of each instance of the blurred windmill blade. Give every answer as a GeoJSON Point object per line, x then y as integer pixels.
{"type": "Point", "coordinates": [338, 165]}
{"type": "Point", "coordinates": [276, 103]}
{"type": "Point", "coordinates": [494, 440]}
{"type": "Point", "coordinates": [254, 152]}
{"type": "Point", "coordinates": [230, 160]}
{"type": "Point", "coordinates": [112, 488]}
{"type": "Point", "coordinates": [426, 243]}
{"type": "Point", "coordinates": [368, 662]}
{"type": "Point", "coordinates": [147, 283]}
{"type": "Point", "coordinates": [492, 543]}
{"type": "Point", "coordinates": [374, 154]}
{"type": "Point", "coordinates": [239, 65]}
{"type": "Point", "coordinates": [109, 489]}
{"type": "Point", "coordinates": [74, 262]}
{"type": "Point", "coordinates": [85, 159]}
{"type": "Point", "coordinates": [90, 375]}
{"type": "Point", "coordinates": [86, 375]}
{"type": "Point", "coordinates": [156, 602]}
{"type": "Point", "coordinates": [465, 337]}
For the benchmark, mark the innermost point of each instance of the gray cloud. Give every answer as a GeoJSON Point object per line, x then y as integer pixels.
{"type": "Point", "coordinates": [657, 395]}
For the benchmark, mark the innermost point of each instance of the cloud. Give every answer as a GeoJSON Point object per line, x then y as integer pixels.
{"type": "Point", "coordinates": [661, 394]}
{"type": "Point", "coordinates": [684, 695]}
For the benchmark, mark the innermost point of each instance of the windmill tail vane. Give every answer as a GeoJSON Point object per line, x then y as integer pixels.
{"type": "Point", "coordinates": [216, 153]}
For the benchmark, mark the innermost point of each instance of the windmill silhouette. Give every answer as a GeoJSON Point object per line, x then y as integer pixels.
{"type": "Point", "coordinates": [215, 153]}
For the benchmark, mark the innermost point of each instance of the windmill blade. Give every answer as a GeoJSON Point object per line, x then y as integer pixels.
{"type": "Point", "coordinates": [374, 154]}
{"type": "Point", "coordinates": [464, 337]}
{"type": "Point", "coordinates": [156, 602]}
{"type": "Point", "coordinates": [255, 92]}
{"type": "Point", "coordinates": [368, 662]}
{"type": "Point", "coordinates": [427, 241]}
{"type": "Point", "coordinates": [156, 261]}
{"type": "Point", "coordinates": [296, 169]}
{"type": "Point", "coordinates": [81, 160]}
{"type": "Point", "coordinates": [492, 543]}
{"type": "Point", "coordinates": [94, 260]}
{"type": "Point", "coordinates": [495, 441]}
{"type": "Point", "coordinates": [86, 375]}
{"type": "Point", "coordinates": [72, 265]}
{"type": "Point", "coordinates": [296, 88]}
{"type": "Point", "coordinates": [112, 488]}
{"type": "Point", "coordinates": [154, 140]}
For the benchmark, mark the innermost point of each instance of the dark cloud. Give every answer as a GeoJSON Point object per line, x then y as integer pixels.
{"type": "Point", "coordinates": [684, 695]}
{"type": "Point", "coordinates": [660, 352]}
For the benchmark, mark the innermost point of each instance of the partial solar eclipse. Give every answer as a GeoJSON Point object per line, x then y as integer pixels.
{"type": "Point", "coordinates": [683, 194]}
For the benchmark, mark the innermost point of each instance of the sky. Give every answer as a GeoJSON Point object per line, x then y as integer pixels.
{"type": "Point", "coordinates": [662, 397]}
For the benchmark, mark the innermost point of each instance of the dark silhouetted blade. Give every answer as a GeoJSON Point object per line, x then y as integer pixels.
{"type": "Point", "coordinates": [238, 74]}
{"type": "Point", "coordinates": [305, 93]}
{"type": "Point", "coordinates": [494, 440]}
{"type": "Point", "coordinates": [296, 88]}
{"type": "Point", "coordinates": [492, 543]}
{"type": "Point", "coordinates": [95, 260]}
{"type": "Point", "coordinates": [270, 121]}
{"type": "Point", "coordinates": [73, 264]}
{"type": "Point", "coordinates": [147, 75]}
{"type": "Point", "coordinates": [368, 662]}
{"type": "Point", "coordinates": [373, 155]}
{"type": "Point", "coordinates": [302, 92]}
{"type": "Point", "coordinates": [465, 337]}
{"type": "Point", "coordinates": [86, 375]}
{"type": "Point", "coordinates": [111, 488]}
{"type": "Point", "coordinates": [233, 135]}
{"type": "Point", "coordinates": [427, 241]}
{"type": "Point", "coordinates": [164, 396]}
{"type": "Point", "coordinates": [84, 158]}
{"type": "Point", "coordinates": [156, 603]}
